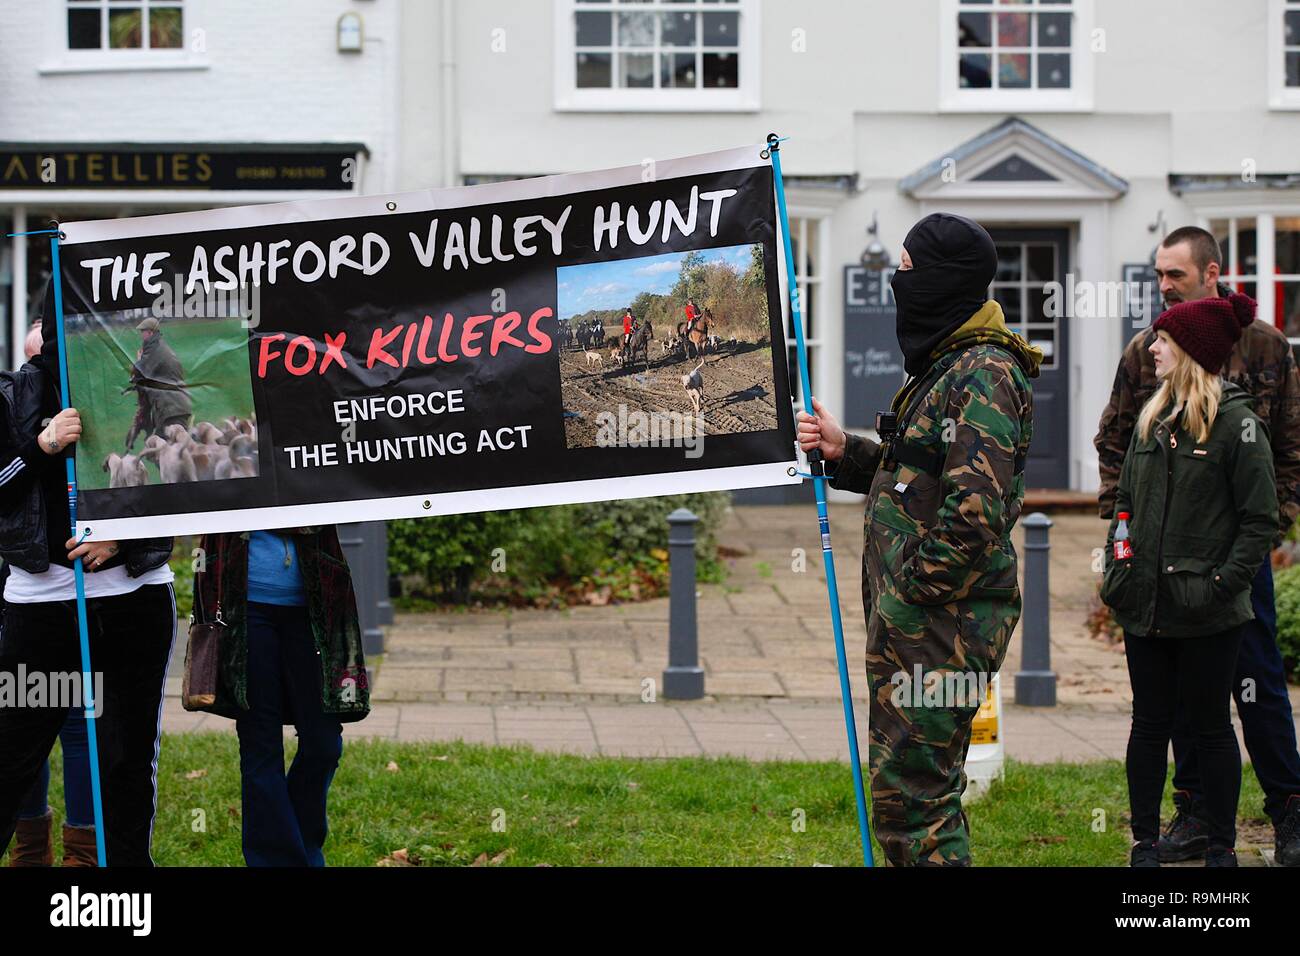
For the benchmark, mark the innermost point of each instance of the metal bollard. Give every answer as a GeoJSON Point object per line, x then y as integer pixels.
{"type": "Point", "coordinates": [1035, 681]}
{"type": "Point", "coordinates": [366, 547]}
{"type": "Point", "coordinates": [683, 677]}
{"type": "Point", "coordinates": [383, 596]}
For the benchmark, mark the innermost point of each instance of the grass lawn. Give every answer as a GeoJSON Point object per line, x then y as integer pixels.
{"type": "Point", "coordinates": [214, 354]}
{"type": "Point", "coordinates": [438, 802]}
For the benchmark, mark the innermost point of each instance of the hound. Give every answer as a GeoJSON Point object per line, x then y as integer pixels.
{"type": "Point", "coordinates": [593, 358]}
{"type": "Point", "coordinates": [125, 471]}
{"type": "Point", "coordinates": [234, 427]}
{"type": "Point", "coordinates": [693, 382]}
{"type": "Point", "coordinates": [173, 455]}
{"type": "Point", "coordinates": [207, 457]}
{"type": "Point", "coordinates": [207, 433]}
{"type": "Point", "coordinates": [240, 460]}
{"type": "Point", "coordinates": [237, 468]}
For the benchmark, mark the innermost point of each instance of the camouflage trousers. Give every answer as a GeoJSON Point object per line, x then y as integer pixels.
{"type": "Point", "coordinates": [920, 730]}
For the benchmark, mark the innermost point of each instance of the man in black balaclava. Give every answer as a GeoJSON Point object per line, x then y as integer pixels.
{"type": "Point", "coordinates": [948, 263]}
{"type": "Point", "coordinates": [944, 487]}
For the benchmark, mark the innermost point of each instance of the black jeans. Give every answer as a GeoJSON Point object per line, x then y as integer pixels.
{"type": "Point", "coordinates": [131, 639]}
{"type": "Point", "coordinates": [1266, 721]}
{"type": "Point", "coordinates": [284, 814]}
{"type": "Point", "coordinates": [1194, 674]}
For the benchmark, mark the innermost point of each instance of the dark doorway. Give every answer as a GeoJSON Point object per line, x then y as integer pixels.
{"type": "Point", "coordinates": [1028, 259]}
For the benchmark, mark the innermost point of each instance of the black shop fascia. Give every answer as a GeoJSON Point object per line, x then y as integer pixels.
{"type": "Point", "coordinates": [79, 181]}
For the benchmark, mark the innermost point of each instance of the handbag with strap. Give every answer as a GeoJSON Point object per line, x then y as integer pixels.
{"type": "Point", "coordinates": [203, 653]}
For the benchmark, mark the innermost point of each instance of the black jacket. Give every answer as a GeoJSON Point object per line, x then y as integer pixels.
{"type": "Point", "coordinates": [34, 518]}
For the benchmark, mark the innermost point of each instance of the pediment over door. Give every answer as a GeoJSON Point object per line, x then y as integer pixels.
{"type": "Point", "coordinates": [1013, 160]}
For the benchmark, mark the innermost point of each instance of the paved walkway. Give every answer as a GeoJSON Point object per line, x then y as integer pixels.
{"type": "Point", "coordinates": [575, 680]}
{"type": "Point", "coordinates": [771, 730]}
{"type": "Point", "coordinates": [765, 634]}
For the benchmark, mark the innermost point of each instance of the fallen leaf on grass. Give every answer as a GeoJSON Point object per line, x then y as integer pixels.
{"type": "Point", "coordinates": [572, 823]}
{"type": "Point", "coordinates": [392, 766]}
{"type": "Point", "coordinates": [196, 774]}
{"type": "Point", "coordinates": [400, 857]}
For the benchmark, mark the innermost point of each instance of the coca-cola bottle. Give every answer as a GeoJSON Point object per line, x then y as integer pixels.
{"type": "Point", "coordinates": [1123, 547]}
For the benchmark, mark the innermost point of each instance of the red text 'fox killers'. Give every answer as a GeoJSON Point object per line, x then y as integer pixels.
{"type": "Point", "coordinates": [403, 343]}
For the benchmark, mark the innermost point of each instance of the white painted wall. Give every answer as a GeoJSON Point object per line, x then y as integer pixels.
{"type": "Point", "coordinates": [1180, 86]}
{"type": "Point", "coordinates": [272, 74]}
{"type": "Point", "coordinates": [447, 88]}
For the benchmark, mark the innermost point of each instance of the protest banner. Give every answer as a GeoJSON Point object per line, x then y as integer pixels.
{"type": "Point", "coordinates": [436, 352]}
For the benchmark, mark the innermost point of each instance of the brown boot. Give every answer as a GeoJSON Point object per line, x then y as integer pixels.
{"type": "Point", "coordinates": [79, 846]}
{"type": "Point", "coordinates": [32, 846]}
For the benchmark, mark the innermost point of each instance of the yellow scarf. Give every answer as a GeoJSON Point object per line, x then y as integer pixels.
{"type": "Point", "coordinates": [986, 325]}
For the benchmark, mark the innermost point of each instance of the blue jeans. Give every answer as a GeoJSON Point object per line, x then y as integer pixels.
{"type": "Point", "coordinates": [1266, 721]}
{"type": "Point", "coordinates": [284, 822]}
{"type": "Point", "coordinates": [77, 801]}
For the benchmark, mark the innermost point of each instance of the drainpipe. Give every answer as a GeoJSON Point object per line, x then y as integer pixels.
{"type": "Point", "coordinates": [450, 150]}
{"type": "Point", "coordinates": [18, 267]}
{"type": "Point", "coordinates": [393, 76]}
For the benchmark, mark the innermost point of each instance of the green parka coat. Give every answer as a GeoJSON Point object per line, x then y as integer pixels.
{"type": "Point", "coordinates": [1202, 517]}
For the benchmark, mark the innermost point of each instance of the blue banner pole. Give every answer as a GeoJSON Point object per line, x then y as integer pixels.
{"type": "Point", "coordinates": [87, 677]}
{"type": "Point", "coordinates": [823, 518]}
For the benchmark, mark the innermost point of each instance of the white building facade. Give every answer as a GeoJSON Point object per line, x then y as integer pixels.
{"type": "Point", "coordinates": [1078, 131]}
{"type": "Point", "coordinates": [132, 107]}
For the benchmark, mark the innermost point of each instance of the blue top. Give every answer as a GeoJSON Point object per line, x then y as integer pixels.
{"type": "Point", "coordinates": [270, 580]}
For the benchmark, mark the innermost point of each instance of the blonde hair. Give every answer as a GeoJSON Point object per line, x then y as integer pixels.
{"type": "Point", "coordinates": [1187, 388]}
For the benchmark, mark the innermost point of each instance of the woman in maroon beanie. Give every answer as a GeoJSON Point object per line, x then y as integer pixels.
{"type": "Point", "coordinates": [1198, 498]}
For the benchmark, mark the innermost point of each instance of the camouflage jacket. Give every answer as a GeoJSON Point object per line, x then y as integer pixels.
{"type": "Point", "coordinates": [1261, 363]}
{"type": "Point", "coordinates": [941, 504]}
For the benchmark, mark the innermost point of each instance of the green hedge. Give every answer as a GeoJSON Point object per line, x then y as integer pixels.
{"type": "Point", "coordinates": [1286, 584]}
{"type": "Point", "coordinates": [596, 552]}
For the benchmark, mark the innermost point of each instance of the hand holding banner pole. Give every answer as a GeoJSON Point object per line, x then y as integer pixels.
{"type": "Point", "coordinates": [87, 682]}
{"type": "Point", "coordinates": [823, 519]}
